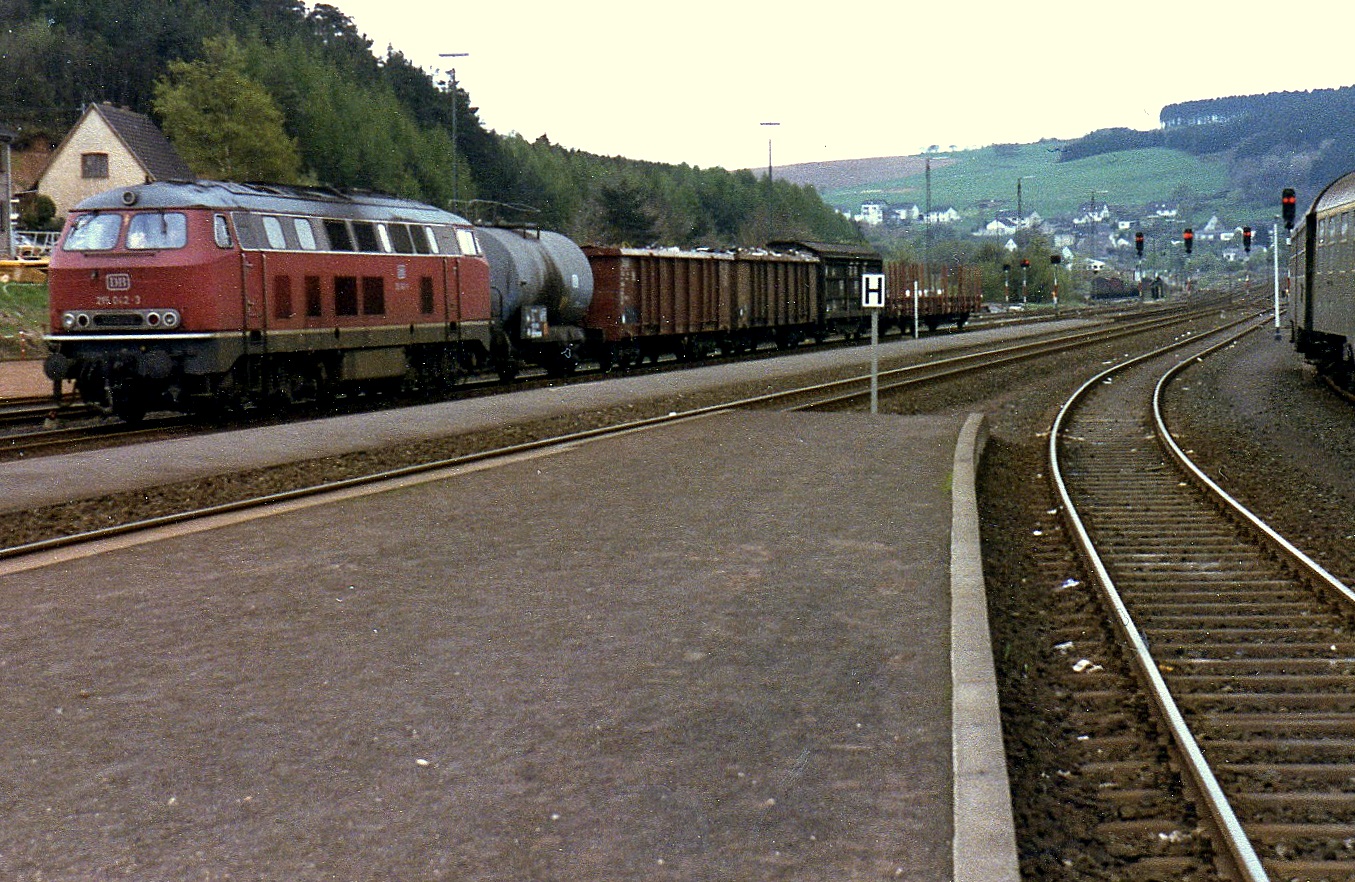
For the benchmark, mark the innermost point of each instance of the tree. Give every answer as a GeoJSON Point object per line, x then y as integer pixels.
{"type": "Point", "coordinates": [224, 123]}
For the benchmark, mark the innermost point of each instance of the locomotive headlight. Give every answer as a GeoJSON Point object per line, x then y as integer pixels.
{"type": "Point", "coordinates": [68, 320]}
{"type": "Point", "coordinates": [170, 319]}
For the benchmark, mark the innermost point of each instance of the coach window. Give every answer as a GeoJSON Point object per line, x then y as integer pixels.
{"type": "Point", "coordinates": [339, 240]}
{"type": "Point", "coordinates": [365, 235]}
{"type": "Point", "coordinates": [149, 231]}
{"type": "Point", "coordinates": [305, 234]}
{"type": "Point", "coordinates": [221, 231]}
{"type": "Point", "coordinates": [345, 295]}
{"type": "Point", "coordinates": [272, 230]}
{"type": "Point", "coordinates": [400, 239]}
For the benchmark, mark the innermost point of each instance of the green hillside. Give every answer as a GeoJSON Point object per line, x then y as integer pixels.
{"type": "Point", "coordinates": [979, 183]}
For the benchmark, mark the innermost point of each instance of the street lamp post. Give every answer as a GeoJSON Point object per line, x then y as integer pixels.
{"type": "Point", "coordinates": [768, 232]}
{"type": "Point", "coordinates": [456, 149]}
{"type": "Point", "coordinates": [769, 150]}
{"type": "Point", "coordinates": [7, 137]}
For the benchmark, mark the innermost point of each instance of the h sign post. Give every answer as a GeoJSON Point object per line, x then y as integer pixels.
{"type": "Point", "coordinates": [873, 299]}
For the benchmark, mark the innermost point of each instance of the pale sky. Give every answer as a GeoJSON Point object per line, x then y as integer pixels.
{"type": "Point", "coordinates": [691, 82]}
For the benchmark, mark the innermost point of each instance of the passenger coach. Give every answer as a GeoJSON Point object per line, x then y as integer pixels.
{"type": "Point", "coordinates": [1322, 270]}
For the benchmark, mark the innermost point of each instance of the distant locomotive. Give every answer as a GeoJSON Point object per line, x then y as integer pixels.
{"type": "Point", "coordinates": [1322, 273]}
{"type": "Point", "coordinates": [195, 296]}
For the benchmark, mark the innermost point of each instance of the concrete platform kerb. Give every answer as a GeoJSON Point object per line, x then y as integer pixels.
{"type": "Point", "coordinates": [984, 840]}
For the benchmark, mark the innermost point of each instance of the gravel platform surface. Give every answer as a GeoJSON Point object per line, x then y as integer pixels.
{"type": "Point", "coordinates": [694, 654]}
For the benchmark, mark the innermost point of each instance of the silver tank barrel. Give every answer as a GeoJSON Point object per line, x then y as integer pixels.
{"type": "Point", "coordinates": [529, 267]}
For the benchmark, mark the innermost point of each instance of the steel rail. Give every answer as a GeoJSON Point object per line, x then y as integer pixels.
{"type": "Point", "coordinates": [1235, 839]}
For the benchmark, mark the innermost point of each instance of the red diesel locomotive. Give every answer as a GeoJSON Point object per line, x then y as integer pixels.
{"type": "Point", "coordinates": [175, 295]}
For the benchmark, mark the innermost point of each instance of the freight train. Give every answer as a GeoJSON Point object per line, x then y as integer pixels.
{"type": "Point", "coordinates": [1322, 278]}
{"type": "Point", "coordinates": [196, 296]}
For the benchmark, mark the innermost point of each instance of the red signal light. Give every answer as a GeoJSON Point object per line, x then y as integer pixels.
{"type": "Point", "coordinates": [1246, 239]}
{"type": "Point", "coordinates": [1288, 206]}
{"type": "Point", "coordinates": [1189, 238]}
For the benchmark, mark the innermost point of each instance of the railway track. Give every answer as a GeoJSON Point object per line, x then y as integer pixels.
{"type": "Point", "coordinates": [799, 397]}
{"type": "Point", "coordinates": [1243, 644]}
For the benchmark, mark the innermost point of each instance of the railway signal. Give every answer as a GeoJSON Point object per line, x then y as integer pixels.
{"type": "Point", "coordinates": [1138, 243]}
{"type": "Point", "coordinates": [1188, 237]}
{"type": "Point", "coordinates": [1246, 239]}
{"type": "Point", "coordinates": [1288, 206]}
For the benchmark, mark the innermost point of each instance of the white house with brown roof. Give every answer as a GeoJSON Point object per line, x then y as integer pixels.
{"type": "Point", "coordinates": [109, 147]}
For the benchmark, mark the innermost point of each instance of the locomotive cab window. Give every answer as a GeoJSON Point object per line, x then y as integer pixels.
{"type": "Point", "coordinates": [221, 231]}
{"type": "Point", "coordinates": [153, 231]}
{"type": "Point", "coordinates": [93, 232]}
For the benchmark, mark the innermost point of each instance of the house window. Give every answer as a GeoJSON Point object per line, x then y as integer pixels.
{"type": "Point", "coordinates": [93, 165]}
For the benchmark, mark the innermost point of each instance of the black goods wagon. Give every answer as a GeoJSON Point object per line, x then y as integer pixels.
{"type": "Point", "coordinates": [840, 268]}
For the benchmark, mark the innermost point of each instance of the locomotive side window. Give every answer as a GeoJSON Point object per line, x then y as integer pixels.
{"type": "Point", "coordinates": [383, 235]}
{"type": "Point", "coordinates": [305, 233]}
{"type": "Point", "coordinates": [93, 232]}
{"type": "Point", "coordinates": [365, 234]}
{"type": "Point", "coordinates": [282, 297]}
{"type": "Point", "coordinates": [424, 243]}
{"type": "Point", "coordinates": [272, 230]}
{"type": "Point", "coordinates": [401, 240]}
{"type": "Point", "coordinates": [339, 240]}
{"type": "Point", "coordinates": [426, 301]}
{"type": "Point", "coordinates": [345, 295]}
{"type": "Point", "coordinates": [314, 307]}
{"type": "Point", "coordinates": [373, 295]}
{"type": "Point", "coordinates": [247, 229]}
{"type": "Point", "coordinates": [221, 231]}
{"type": "Point", "coordinates": [157, 230]}
{"type": "Point", "coordinates": [466, 240]}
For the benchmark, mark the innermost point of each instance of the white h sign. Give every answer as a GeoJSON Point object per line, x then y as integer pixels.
{"type": "Point", "coordinates": [873, 290]}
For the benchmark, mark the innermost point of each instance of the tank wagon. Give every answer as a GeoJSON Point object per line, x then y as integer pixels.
{"type": "Point", "coordinates": [541, 289]}
{"type": "Point", "coordinates": [1322, 273]}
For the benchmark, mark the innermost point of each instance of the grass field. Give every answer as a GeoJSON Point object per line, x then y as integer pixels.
{"type": "Point", "coordinates": [980, 182]}
{"type": "Point", "coordinates": [23, 318]}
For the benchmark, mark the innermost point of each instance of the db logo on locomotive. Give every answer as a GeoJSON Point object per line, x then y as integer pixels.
{"type": "Point", "coordinates": [118, 282]}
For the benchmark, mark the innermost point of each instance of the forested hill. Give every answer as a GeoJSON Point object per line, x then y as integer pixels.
{"type": "Point", "coordinates": [272, 90]}
{"type": "Point", "coordinates": [1281, 139]}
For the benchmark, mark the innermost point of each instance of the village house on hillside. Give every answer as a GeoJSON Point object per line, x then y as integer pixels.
{"type": "Point", "coordinates": [109, 147]}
